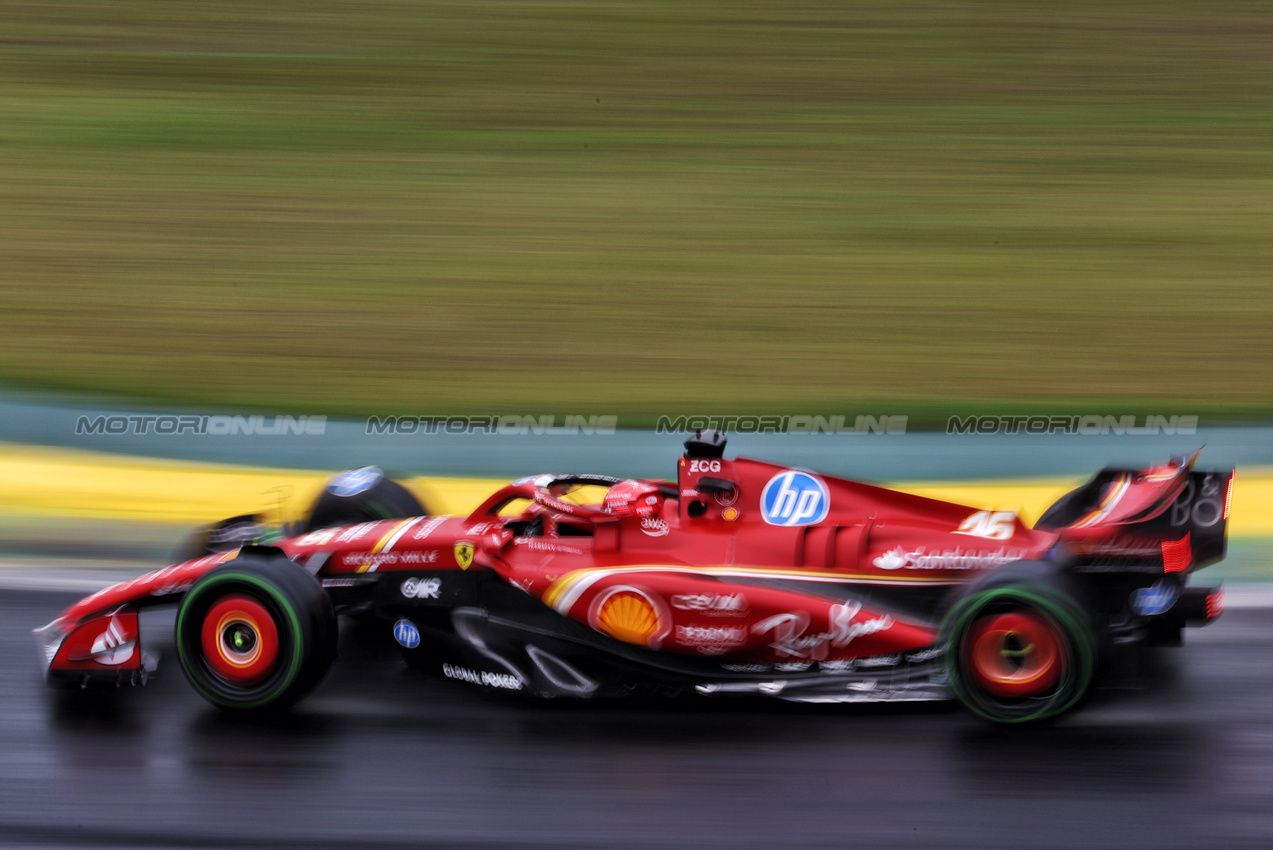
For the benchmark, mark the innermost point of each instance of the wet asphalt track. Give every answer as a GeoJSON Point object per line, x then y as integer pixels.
{"type": "Point", "coordinates": [379, 757]}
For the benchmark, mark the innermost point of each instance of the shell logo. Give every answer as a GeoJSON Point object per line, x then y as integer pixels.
{"type": "Point", "coordinates": [629, 615]}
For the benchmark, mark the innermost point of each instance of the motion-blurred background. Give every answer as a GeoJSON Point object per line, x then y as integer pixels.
{"type": "Point", "coordinates": [641, 207]}
{"type": "Point", "coordinates": [632, 209]}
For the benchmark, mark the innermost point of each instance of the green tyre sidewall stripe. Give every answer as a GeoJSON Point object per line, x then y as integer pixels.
{"type": "Point", "coordinates": [1052, 604]}
{"type": "Point", "coordinates": [192, 668]}
{"type": "Point", "coordinates": [381, 509]}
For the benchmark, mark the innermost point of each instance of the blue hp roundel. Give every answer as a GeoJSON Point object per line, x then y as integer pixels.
{"type": "Point", "coordinates": [355, 481]}
{"type": "Point", "coordinates": [794, 498]}
{"type": "Point", "coordinates": [1158, 599]}
{"type": "Point", "coordinates": [405, 633]}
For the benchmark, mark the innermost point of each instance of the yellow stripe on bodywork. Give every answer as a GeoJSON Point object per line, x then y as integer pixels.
{"type": "Point", "coordinates": [564, 592]}
{"type": "Point", "coordinates": [383, 543]}
{"type": "Point", "coordinates": [1108, 503]}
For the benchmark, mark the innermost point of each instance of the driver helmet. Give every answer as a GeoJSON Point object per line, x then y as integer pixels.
{"type": "Point", "coordinates": [633, 498]}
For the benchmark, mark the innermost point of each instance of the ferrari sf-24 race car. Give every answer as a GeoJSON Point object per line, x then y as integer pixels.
{"type": "Point", "coordinates": [738, 578]}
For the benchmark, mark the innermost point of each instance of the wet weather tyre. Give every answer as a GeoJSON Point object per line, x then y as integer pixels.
{"type": "Point", "coordinates": [361, 495]}
{"type": "Point", "coordinates": [1019, 653]}
{"type": "Point", "coordinates": [256, 633]}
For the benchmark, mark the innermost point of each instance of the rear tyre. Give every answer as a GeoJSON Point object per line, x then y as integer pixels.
{"type": "Point", "coordinates": [1019, 652]}
{"type": "Point", "coordinates": [361, 495]}
{"type": "Point", "coordinates": [256, 633]}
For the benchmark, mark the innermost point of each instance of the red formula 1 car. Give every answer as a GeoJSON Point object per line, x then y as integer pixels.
{"type": "Point", "coordinates": [741, 577]}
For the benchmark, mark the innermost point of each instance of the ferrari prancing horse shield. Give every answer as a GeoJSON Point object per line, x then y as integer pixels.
{"type": "Point", "coordinates": [464, 554]}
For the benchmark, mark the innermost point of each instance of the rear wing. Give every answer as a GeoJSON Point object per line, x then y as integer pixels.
{"type": "Point", "coordinates": [1170, 518]}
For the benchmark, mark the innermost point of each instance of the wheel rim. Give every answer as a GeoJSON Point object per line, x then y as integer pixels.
{"type": "Point", "coordinates": [240, 639]}
{"type": "Point", "coordinates": [1015, 655]}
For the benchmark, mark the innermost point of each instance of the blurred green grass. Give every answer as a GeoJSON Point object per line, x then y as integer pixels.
{"type": "Point", "coordinates": [641, 207]}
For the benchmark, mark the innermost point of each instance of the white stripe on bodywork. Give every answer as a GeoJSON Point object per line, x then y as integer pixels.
{"type": "Point", "coordinates": [401, 531]}
{"type": "Point", "coordinates": [578, 586]}
{"type": "Point", "coordinates": [1111, 500]}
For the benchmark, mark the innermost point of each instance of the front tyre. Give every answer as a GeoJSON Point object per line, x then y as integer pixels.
{"type": "Point", "coordinates": [255, 633]}
{"type": "Point", "coordinates": [1019, 653]}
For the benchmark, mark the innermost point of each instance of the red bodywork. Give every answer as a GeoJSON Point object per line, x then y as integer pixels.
{"type": "Point", "coordinates": [745, 561]}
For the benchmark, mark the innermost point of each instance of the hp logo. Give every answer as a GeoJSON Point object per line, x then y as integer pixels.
{"type": "Point", "coordinates": [794, 498]}
{"type": "Point", "coordinates": [1158, 599]}
{"type": "Point", "coordinates": [405, 633]}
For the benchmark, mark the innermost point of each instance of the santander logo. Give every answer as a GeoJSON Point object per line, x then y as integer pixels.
{"type": "Point", "coordinates": [112, 647]}
{"type": "Point", "coordinates": [957, 558]}
{"type": "Point", "coordinates": [893, 559]}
